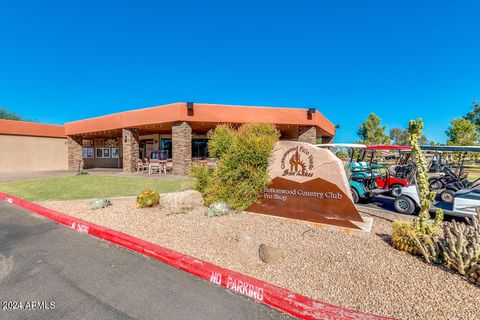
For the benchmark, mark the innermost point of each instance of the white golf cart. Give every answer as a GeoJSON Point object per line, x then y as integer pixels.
{"type": "Point", "coordinates": [464, 203]}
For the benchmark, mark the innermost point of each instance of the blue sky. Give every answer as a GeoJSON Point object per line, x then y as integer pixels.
{"type": "Point", "coordinates": [67, 60]}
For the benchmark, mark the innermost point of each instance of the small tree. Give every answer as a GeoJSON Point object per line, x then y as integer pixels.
{"type": "Point", "coordinates": [461, 132]}
{"type": "Point", "coordinates": [399, 137]}
{"type": "Point", "coordinates": [4, 114]}
{"type": "Point", "coordinates": [372, 132]}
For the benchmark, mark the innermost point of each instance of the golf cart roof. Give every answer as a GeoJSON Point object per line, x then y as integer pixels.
{"type": "Point", "coordinates": [451, 148]}
{"type": "Point", "coordinates": [389, 147]}
{"type": "Point", "coordinates": [339, 145]}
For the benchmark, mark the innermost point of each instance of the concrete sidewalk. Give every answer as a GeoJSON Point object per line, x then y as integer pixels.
{"type": "Point", "coordinates": [86, 278]}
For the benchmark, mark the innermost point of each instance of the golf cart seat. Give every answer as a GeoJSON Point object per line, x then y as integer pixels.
{"type": "Point", "coordinates": [361, 171]}
{"type": "Point", "coordinates": [359, 166]}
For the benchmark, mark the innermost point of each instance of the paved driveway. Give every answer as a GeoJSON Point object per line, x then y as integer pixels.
{"type": "Point", "coordinates": [58, 273]}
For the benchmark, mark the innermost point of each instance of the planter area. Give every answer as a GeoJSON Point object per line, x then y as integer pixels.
{"type": "Point", "coordinates": [356, 273]}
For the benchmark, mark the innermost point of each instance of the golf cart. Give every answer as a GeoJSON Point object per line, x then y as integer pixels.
{"type": "Point", "coordinates": [359, 174]}
{"type": "Point", "coordinates": [450, 181]}
{"type": "Point", "coordinates": [389, 179]}
{"type": "Point", "coordinates": [464, 203]}
{"type": "Point", "coordinates": [366, 179]}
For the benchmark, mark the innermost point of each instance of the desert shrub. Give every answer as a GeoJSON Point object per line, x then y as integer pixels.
{"type": "Point", "coordinates": [202, 175]}
{"type": "Point", "coordinates": [148, 198]}
{"type": "Point", "coordinates": [406, 237]}
{"type": "Point", "coordinates": [220, 140]}
{"type": "Point", "coordinates": [242, 172]}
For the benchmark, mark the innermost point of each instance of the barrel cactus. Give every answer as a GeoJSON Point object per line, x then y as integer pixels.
{"type": "Point", "coordinates": [148, 198]}
{"type": "Point", "coordinates": [403, 237]}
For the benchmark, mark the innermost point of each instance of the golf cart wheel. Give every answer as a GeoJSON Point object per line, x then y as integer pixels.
{"type": "Point", "coordinates": [355, 195]}
{"type": "Point", "coordinates": [447, 196]}
{"type": "Point", "coordinates": [404, 205]}
{"type": "Point", "coordinates": [435, 184]}
{"type": "Point", "coordinates": [396, 190]}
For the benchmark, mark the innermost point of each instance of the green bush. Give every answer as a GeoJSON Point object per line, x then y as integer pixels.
{"type": "Point", "coordinates": [148, 198]}
{"type": "Point", "coordinates": [242, 172]}
{"type": "Point", "coordinates": [203, 176]}
{"type": "Point", "coordinates": [221, 138]}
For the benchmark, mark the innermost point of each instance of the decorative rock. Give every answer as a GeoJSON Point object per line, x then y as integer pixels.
{"type": "Point", "coordinates": [269, 254]}
{"type": "Point", "coordinates": [100, 203]}
{"type": "Point", "coordinates": [181, 200]}
{"type": "Point", "coordinates": [247, 249]}
{"type": "Point", "coordinates": [217, 209]}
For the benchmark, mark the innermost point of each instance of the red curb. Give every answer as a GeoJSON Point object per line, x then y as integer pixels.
{"type": "Point", "coordinates": [276, 297]}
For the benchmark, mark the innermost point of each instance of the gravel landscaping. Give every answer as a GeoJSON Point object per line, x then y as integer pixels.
{"type": "Point", "coordinates": [362, 274]}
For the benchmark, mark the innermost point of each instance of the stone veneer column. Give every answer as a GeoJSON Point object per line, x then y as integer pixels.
{"type": "Point", "coordinates": [130, 149]}
{"type": "Point", "coordinates": [74, 150]}
{"type": "Point", "coordinates": [307, 134]}
{"type": "Point", "coordinates": [181, 148]}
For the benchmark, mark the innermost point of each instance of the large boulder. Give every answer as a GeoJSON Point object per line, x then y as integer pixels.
{"type": "Point", "coordinates": [181, 200]}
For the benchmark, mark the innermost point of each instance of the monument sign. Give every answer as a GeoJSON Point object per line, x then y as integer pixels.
{"type": "Point", "coordinates": [308, 183]}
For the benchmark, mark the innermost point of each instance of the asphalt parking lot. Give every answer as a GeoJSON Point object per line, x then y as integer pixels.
{"type": "Point", "coordinates": [48, 271]}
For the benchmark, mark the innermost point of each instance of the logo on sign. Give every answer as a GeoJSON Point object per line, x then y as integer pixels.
{"type": "Point", "coordinates": [300, 162]}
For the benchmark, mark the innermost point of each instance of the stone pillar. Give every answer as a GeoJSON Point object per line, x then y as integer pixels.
{"type": "Point", "coordinates": [130, 149]}
{"type": "Point", "coordinates": [181, 148]}
{"type": "Point", "coordinates": [307, 134]}
{"type": "Point", "coordinates": [74, 150]}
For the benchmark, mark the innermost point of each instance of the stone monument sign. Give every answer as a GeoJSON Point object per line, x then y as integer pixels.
{"type": "Point", "coordinates": [308, 183]}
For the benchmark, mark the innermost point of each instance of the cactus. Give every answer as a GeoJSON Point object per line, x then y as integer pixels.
{"type": "Point", "coordinates": [430, 248]}
{"type": "Point", "coordinates": [403, 237]}
{"type": "Point", "coordinates": [461, 246]}
{"type": "Point", "coordinates": [474, 274]}
{"type": "Point", "coordinates": [422, 223]}
{"type": "Point", "coordinates": [417, 237]}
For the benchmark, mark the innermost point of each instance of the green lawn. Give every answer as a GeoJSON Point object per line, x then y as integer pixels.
{"type": "Point", "coordinates": [88, 187]}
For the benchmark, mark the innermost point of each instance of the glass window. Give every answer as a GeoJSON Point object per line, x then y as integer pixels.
{"type": "Point", "coordinates": [99, 143]}
{"type": "Point", "coordinates": [87, 152]}
{"type": "Point", "coordinates": [115, 153]}
{"type": "Point", "coordinates": [200, 148]}
{"type": "Point", "coordinates": [87, 143]}
{"type": "Point", "coordinates": [111, 143]}
{"type": "Point", "coordinates": [106, 152]}
{"type": "Point", "coordinates": [99, 153]}
{"type": "Point", "coordinates": [166, 145]}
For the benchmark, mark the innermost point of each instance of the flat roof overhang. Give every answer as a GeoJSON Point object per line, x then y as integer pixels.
{"type": "Point", "coordinates": [33, 129]}
{"type": "Point", "coordinates": [201, 113]}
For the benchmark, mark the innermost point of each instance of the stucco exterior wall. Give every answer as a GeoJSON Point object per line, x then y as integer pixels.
{"type": "Point", "coordinates": [26, 153]}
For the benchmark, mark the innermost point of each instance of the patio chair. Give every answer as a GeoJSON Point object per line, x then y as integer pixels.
{"type": "Point", "coordinates": [140, 165]}
{"type": "Point", "coordinates": [168, 166]}
{"type": "Point", "coordinates": [154, 166]}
